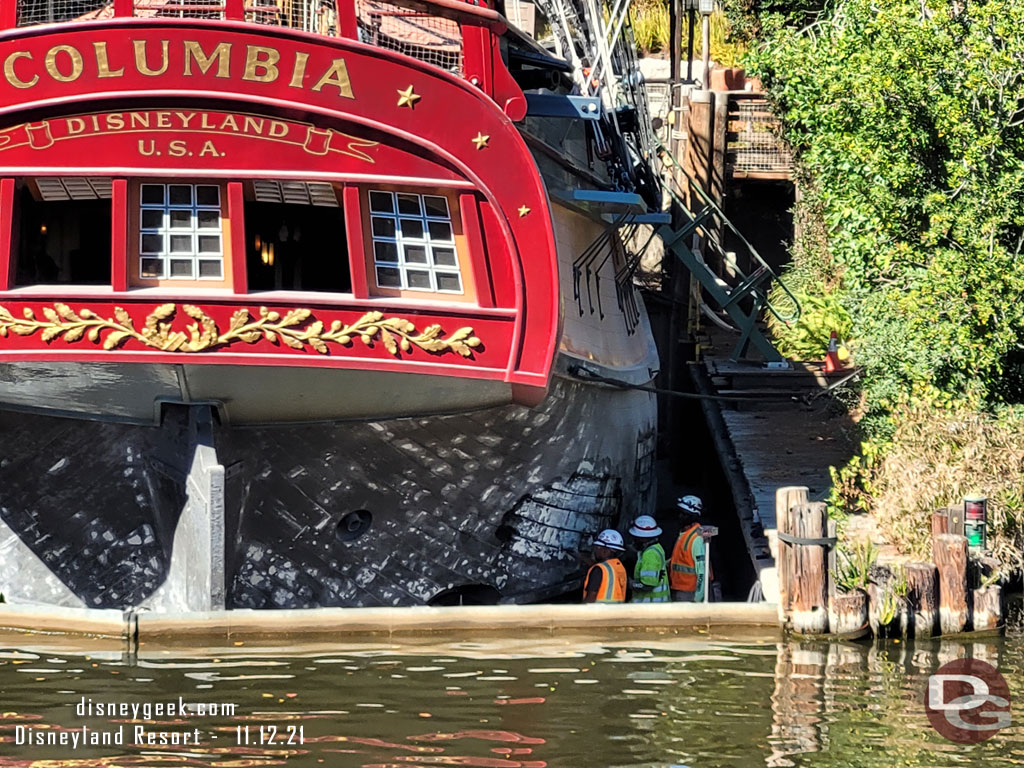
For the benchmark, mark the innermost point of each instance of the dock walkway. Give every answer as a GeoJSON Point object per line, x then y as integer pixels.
{"type": "Point", "coordinates": [788, 432]}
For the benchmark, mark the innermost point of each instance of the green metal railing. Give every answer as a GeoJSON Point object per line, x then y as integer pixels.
{"type": "Point", "coordinates": [708, 222]}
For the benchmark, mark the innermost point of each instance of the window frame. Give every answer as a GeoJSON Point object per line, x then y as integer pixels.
{"type": "Point", "coordinates": [460, 244]}
{"type": "Point", "coordinates": [135, 234]}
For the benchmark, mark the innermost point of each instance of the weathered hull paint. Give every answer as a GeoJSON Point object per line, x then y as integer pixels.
{"type": "Point", "coordinates": [501, 498]}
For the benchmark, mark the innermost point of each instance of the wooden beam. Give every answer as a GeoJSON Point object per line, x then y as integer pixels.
{"type": "Point", "coordinates": [356, 239]}
{"type": "Point", "coordinates": [119, 235]}
{"type": "Point", "coordinates": [7, 259]}
{"type": "Point", "coordinates": [477, 254]}
{"type": "Point", "coordinates": [809, 612]}
{"type": "Point", "coordinates": [236, 221]}
{"type": "Point", "coordinates": [951, 558]}
{"type": "Point", "coordinates": [923, 594]}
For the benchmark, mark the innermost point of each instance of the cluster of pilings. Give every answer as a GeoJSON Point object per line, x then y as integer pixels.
{"type": "Point", "coordinates": [954, 594]}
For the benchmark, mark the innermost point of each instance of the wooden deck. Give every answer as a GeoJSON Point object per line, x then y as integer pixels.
{"type": "Point", "coordinates": [788, 431]}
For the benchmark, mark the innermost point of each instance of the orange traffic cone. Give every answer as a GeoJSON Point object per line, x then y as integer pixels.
{"type": "Point", "coordinates": [832, 363]}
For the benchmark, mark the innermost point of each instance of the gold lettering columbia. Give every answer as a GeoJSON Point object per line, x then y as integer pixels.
{"type": "Point", "coordinates": [157, 58]}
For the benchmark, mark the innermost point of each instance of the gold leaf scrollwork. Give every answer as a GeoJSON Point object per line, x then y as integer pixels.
{"type": "Point", "coordinates": [296, 329]}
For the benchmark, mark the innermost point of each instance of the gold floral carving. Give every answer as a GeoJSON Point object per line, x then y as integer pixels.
{"type": "Point", "coordinates": [297, 328]}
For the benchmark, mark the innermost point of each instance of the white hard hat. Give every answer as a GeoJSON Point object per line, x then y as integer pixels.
{"type": "Point", "coordinates": [645, 527]}
{"type": "Point", "coordinates": [690, 504]}
{"type": "Point", "coordinates": [610, 538]}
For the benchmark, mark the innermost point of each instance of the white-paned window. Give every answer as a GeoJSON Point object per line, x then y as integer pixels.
{"type": "Point", "coordinates": [413, 244]}
{"type": "Point", "coordinates": [180, 232]}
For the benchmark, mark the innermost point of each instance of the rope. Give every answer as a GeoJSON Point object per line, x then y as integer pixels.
{"type": "Point", "coordinates": [825, 541]}
{"type": "Point", "coordinates": [585, 374]}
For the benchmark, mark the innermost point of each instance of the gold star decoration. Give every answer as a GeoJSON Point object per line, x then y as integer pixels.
{"type": "Point", "coordinates": [481, 140]}
{"type": "Point", "coordinates": [408, 98]}
{"type": "Point", "coordinates": [523, 210]}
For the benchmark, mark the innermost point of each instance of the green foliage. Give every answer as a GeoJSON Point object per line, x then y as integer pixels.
{"type": "Point", "coordinates": [907, 119]}
{"type": "Point", "coordinates": [651, 30]}
{"type": "Point", "coordinates": [808, 337]}
{"type": "Point", "coordinates": [652, 33]}
{"type": "Point", "coordinates": [854, 567]}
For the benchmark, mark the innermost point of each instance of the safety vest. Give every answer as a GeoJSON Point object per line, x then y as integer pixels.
{"type": "Point", "coordinates": [683, 568]}
{"type": "Point", "coordinates": [650, 571]}
{"type": "Point", "coordinates": [613, 581]}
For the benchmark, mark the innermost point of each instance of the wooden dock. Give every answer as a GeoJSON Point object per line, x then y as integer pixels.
{"type": "Point", "coordinates": [784, 429]}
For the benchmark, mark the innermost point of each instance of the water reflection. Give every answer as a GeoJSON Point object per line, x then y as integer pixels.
{"type": "Point", "coordinates": [637, 699]}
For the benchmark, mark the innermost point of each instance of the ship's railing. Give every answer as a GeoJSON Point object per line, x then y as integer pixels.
{"type": "Point", "coordinates": [429, 30]}
{"type": "Point", "coordinates": [419, 34]}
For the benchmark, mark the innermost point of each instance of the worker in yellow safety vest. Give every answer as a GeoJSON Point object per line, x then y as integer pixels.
{"type": "Point", "coordinates": [650, 576]}
{"type": "Point", "coordinates": [606, 579]}
{"type": "Point", "coordinates": [687, 566]}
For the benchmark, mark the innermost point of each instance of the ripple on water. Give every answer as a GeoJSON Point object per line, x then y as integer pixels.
{"type": "Point", "coordinates": [686, 702]}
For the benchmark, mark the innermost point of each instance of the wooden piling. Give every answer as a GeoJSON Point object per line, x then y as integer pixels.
{"type": "Point", "coordinates": [988, 609]}
{"type": "Point", "coordinates": [923, 594]}
{"type": "Point", "coordinates": [950, 555]}
{"type": "Point", "coordinates": [809, 590]}
{"type": "Point", "coordinates": [849, 614]}
{"type": "Point", "coordinates": [785, 499]}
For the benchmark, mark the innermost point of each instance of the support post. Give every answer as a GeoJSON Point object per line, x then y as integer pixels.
{"type": "Point", "coordinates": [849, 614]}
{"type": "Point", "coordinates": [809, 593]}
{"type": "Point", "coordinates": [923, 594]}
{"type": "Point", "coordinates": [950, 554]}
{"type": "Point", "coordinates": [988, 608]}
{"type": "Point", "coordinates": [785, 499]}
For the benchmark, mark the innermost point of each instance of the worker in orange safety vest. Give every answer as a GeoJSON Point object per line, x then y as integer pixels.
{"type": "Point", "coordinates": [606, 579]}
{"type": "Point", "coordinates": [688, 566]}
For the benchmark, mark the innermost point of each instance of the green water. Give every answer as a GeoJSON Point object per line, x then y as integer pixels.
{"type": "Point", "coordinates": [624, 700]}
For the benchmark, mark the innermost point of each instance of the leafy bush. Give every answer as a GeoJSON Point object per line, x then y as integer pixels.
{"type": "Point", "coordinates": [853, 569]}
{"type": "Point", "coordinates": [907, 119]}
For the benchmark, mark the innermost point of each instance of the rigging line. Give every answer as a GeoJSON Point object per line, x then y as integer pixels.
{"type": "Point", "coordinates": [585, 374]}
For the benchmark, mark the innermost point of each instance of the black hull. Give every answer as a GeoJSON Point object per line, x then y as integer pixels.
{"type": "Point", "coordinates": [493, 504]}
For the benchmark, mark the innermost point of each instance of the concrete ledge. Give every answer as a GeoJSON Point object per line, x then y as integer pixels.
{"type": "Point", "coordinates": [462, 620]}
{"type": "Point", "coordinates": [160, 628]}
{"type": "Point", "coordinates": [52, 619]}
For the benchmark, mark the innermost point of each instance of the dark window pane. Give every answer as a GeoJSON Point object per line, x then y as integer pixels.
{"type": "Point", "coordinates": [445, 257]}
{"type": "Point", "coordinates": [209, 244]}
{"type": "Point", "coordinates": [181, 244]}
{"type": "Point", "coordinates": [409, 204]}
{"type": "Point", "coordinates": [207, 194]}
{"type": "Point", "coordinates": [385, 252]}
{"type": "Point", "coordinates": [436, 206]}
{"type": "Point", "coordinates": [181, 268]}
{"type": "Point", "coordinates": [412, 228]}
{"type": "Point", "coordinates": [447, 282]}
{"type": "Point", "coordinates": [440, 230]}
{"type": "Point", "coordinates": [210, 268]}
{"type": "Point", "coordinates": [418, 280]}
{"type": "Point", "coordinates": [152, 243]}
{"type": "Point", "coordinates": [152, 268]}
{"type": "Point", "coordinates": [383, 227]}
{"type": "Point", "coordinates": [382, 202]}
{"type": "Point", "coordinates": [181, 219]}
{"type": "Point", "coordinates": [209, 219]}
{"type": "Point", "coordinates": [152, 194]}
{"type": "Point", "coordinates": [389, 277]}
{"type": "Point", "coordinates": [152, 219]}
{"type": "Point", "coordinates": [180, 194]}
